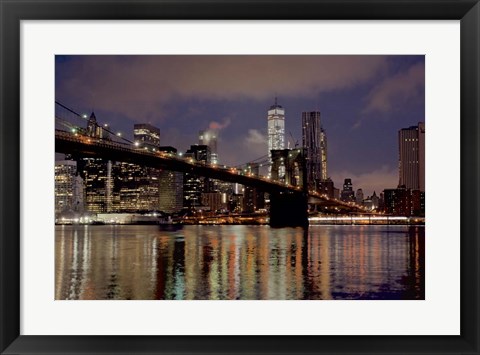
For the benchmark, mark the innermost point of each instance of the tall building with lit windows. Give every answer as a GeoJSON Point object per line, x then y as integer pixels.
{"type": "Point", "coordinates": [253, 199]}
{"type": "Point", "coordinates": [276, 128]}
{"type": "Point", "coordinates": [194, 185]}
{"type": "Point", "coordinates": [97, 175]}
{"type": "Point", "coordinates": [69, 190]}
{"type": "Point", "coordinates": [411, 146]}
{"type": "Point", "coordinates": [209, 138]}
{"type": "Point", "coordinates": [348, 195]}
{"type": "Point", "coordinates": [314, 142]}
{"type": "Point", "coordinates": [135, 188]}
{"type": "Point", "coordinates": [323, 154]}
{"type": "Point", "coordinates": [170, 186]}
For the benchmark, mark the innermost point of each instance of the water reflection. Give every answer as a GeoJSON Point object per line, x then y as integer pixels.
{"type": "Point", "coordinates": [240, 262]}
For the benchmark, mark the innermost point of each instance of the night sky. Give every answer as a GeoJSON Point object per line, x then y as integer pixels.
{"type": "Point", "coordinates": [363, 100]}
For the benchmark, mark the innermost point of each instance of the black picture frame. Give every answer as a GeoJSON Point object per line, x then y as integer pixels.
{"type": "Point", "coordinates": [12, 12]}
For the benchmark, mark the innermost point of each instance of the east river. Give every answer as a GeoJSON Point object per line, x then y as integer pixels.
{"type": "Point", "coordinates": [229, 262]}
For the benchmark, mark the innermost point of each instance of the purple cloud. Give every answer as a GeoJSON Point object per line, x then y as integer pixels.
{"type": "Point", "coordinates": [394, 92]}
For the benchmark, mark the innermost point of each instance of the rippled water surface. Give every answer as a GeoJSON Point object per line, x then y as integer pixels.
{"type": "Point", "coordinates": [239, 262]}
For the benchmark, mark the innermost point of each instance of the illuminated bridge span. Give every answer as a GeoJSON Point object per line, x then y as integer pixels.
{"type": "Point", "coordinates": [288, 203]}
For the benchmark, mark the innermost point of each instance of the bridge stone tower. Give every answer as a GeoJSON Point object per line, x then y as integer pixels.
{"type": "Point", "coordinates": [292, 163]}
{"type": "Point", "coordinates": [289, 208]}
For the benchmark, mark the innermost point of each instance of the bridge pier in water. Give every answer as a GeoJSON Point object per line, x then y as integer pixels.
{"type": "Point", "coordinates": [288, 209]}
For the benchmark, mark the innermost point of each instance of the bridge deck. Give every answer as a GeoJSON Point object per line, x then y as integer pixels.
{"type": "Point", "coordinates": [68, 143]}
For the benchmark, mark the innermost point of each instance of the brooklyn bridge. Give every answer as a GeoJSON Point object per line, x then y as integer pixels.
{"type": "Point", "coordinates": [289, 198]}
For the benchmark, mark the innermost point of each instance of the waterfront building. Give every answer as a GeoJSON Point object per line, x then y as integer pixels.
{"type": "Point", "coordinates": [227, 189]}
{"type": "Point", "coordinates": [69, 191]}
{"type": "Point", "coordinates": [368, 203]}
{"type": "Point", "coordinates": [347, 193]}
{"type": "Point", "coordinates": [235, 203]}
{"type": "Point", "coordinates": [136, 188]}
{"type": "Point", "coordinates": [170, 186]}
{"type": "Point", "coordinates": [97, 174]}
{"type": "Point", "coordinates": [403, 202]}
{"type": "Point", "coordinates": [276, 129]}
{"type": "Point", "coordinates": [314, 141]}
{"type": "Point", "coordinates": [253, 200]}
{"type": "Point", "coordinates": [214, 201]}
{"type": "Point", "coordinates": [146, 136]}
{"type": "Point", "coordinates": [170, 191]}
{"type": "Point", "coordinates": [411, 145]}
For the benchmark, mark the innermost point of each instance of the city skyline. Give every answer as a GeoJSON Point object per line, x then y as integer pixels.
{"type": "Point", "coordinates": [362, 109]}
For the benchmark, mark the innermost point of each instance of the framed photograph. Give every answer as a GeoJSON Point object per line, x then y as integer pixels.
{"type": "Point", "coordinates": [239, 177]}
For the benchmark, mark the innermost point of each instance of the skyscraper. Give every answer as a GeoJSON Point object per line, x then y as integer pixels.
{"type": "Point", "coordinates": [411, 146]}
{"type": "Point", "coordinates": [209, 137]}
{"type": "Point", "coordinates": [276, 128]}
{"type": "Point", "coordinates": [194, 185]}
{"type": "Point", "coordinates": [68, 187]}
{"type": "Point", "coordinates": [170, 187]}
{"type": "Point", "coordinates": [323, 153]}
{"type": "Point", "coordinates": [98, 184]}
{"type": "Point", "coordinates": [347, 193]}
{"type": "Point", "coordinates": [136, 188]}
{"type": "Point", "coordinates": [314, 142]}
{"type": "Point", "coordinates": [253, 199]}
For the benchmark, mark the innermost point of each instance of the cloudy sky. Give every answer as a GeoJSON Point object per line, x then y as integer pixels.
{"type": "Point", "coordinates": [363, 100]}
